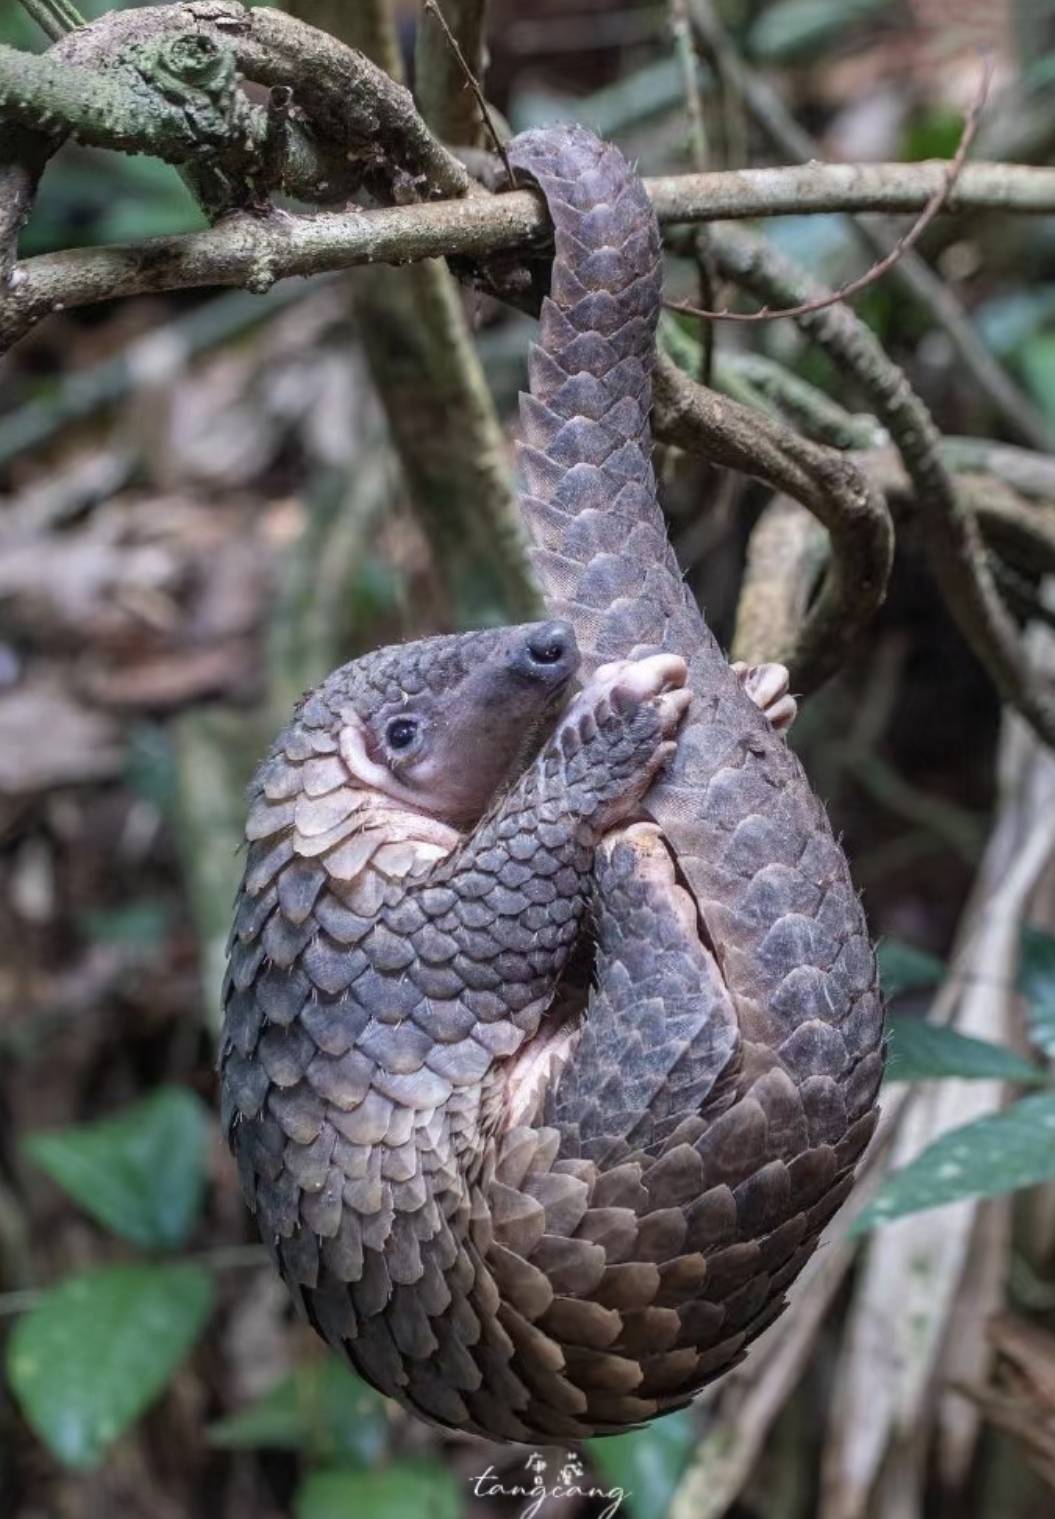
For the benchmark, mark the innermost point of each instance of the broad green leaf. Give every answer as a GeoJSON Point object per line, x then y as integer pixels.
{"type": "Point", "coordinates": [920, 1051]}
{"type": "Point", "coordinates": [321, 1408]}
{"type": "Point", "coordinates": [647, 1464]}
{"type": "Point", "coordinates": [1036, 979]}
{"type": "Point", "coordinates": [904, 968]}
{"type": "Point", "coordinates": [424, 1489]}
{"type": "Point", "coordinates": [142, 1172]}
{"type": "Point", "coordinates": [97, 1350]}
{"type": "Point", "coordinates": [1000, 1153]}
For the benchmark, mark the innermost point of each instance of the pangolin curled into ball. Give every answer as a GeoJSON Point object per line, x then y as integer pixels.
{"type": "Point", "coordinates": [528, 1193]}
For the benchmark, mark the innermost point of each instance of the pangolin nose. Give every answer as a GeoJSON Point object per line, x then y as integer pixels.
{"type": "Point", "coordinates": [551, 649]}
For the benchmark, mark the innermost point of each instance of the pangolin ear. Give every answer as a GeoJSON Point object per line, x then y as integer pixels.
{"type": "Point", "coordinates": [353, 744]}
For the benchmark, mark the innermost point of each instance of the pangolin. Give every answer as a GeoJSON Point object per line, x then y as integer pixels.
{"type": "Point", "coordinates": [552, 1036]}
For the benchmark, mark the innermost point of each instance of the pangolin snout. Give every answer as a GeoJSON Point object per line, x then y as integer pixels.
{"type": "Point", "coordinates": [548, 654]}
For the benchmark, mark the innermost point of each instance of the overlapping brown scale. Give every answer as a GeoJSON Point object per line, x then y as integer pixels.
{"type": "Point", "coordinates": [252, 913]}
{"type": "Point", "coordinates": [310, 1164]}
{"type": "Point", "coordinates": [285, 1054]}
{"type": "Point", "coordinates": [282, 941]}
{"type": "Point", "coordinates": [264, 863]}
{"type": "Point", "coordinates": [322, 823]}
{"type": "Point", "coordinates": [268, 817]}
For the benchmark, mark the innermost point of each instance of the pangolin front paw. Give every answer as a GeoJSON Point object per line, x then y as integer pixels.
{"type": "Point", "coordinates": [619, 732]}
{"type": "Point", "coordinates": [767, 686]}
{"type": "Point", "coordinates": [658, 679]}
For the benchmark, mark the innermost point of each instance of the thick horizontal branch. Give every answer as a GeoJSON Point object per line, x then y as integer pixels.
{"type": "Point", "coordinates": [254, 252]}
{"type": "Point", "coordinates": [814, 187]}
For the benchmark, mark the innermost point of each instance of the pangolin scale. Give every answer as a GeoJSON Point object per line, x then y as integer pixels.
{"type": "Point", "coordinates": [527, 1199]}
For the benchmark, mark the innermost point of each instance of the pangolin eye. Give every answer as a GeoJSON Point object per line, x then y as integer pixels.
{"type": "Point", "coordinates": [401, 733]}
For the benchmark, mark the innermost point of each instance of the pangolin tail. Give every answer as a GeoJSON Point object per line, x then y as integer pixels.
{"type": "Point", "coordinates": [601, 552]}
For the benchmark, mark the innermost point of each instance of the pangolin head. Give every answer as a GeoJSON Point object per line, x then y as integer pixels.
{"type": "Point", "coordinates": [441, 723]}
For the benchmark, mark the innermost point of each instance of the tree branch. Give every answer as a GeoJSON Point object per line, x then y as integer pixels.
{"type": "Point", "coordinates": [444, 96]}
{"type": "Point", "coordinates": [23, 156]}
{"type": "Point", "coordinates": [200, 110]}
{"type": "Point", "coordinates": [54, 17]}
{"type": "Point", "coordinates": [912, 272]}
{"type": "Point", "coordinates": [826, 483]}
{"type": "Point", "coordinates": [440, 412]}
{"type": "Point", "coordinates": [954, 547]}
{"type": "Point", "coordinates": [255, 253]}
{"type": "Point", "coordinates": [363, 128]}
{"type": "Point", "coordinates": [816, 187]}
{"type": "Point", "coordinates": [786, 556]}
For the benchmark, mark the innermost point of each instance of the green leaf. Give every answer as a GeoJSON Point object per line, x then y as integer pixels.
{"type": "Point", "coordinates": [97, 197]}
{"type": "Point", "coordinates": [1036, 980]}
{"type": "Point", "coordinates": [424, 1489]}
{"type": "Point", "coordinates": [150, 764]}
{"type": "Point", "coordinates": [794, 28]}
{"type": "Point", "coordinates": [904, 968]}
{"type": "Point", "coordinates": [935, 133]}
{"type": "Point", "coordinates": [920, 1051]}
{"type": "Point", "coordinates": [141, 1173]}
{"type": "Point", "coordinates": [647, 1464]}
{"type": "Point", "coordinates": [1006, 322]}
{"type": "Point", "coordinates": [97, 1350]}
{"type": "Point", "coordinates": [1000, 1153]}
{"type": "Point", "coordinates": [1037, 358]}
{"type": "Point", "coordinates": [321, 1408]}
{"type": "Point", "coordinates": [141, 926]}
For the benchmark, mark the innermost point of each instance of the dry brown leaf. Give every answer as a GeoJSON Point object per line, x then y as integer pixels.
{"type": "Point", "coordinates": [48, 739]}
{"type": "Point", "coordinates": [1021, 1398]}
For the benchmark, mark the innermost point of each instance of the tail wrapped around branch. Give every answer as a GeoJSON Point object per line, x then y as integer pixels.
{"type": "Point", "coordinates": [601, 549]}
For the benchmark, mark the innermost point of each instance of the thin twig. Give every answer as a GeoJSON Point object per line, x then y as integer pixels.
{"type": "Point", "coordinates": [901, 247]}
{"type": "Point", "coordinates": [56, 18]}
{"type": "Point", "coordinates": [701, 252]}
{"type": "Point", "coordinates": [912, 273]}
{"type": "Point", "coordinates": [683, 46]}
{"type": "Point", "coordinates": [432, 9]}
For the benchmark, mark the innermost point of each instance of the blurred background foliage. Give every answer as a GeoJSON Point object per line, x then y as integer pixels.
{"type": "Point", "coordinates": [202, 512]}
